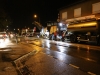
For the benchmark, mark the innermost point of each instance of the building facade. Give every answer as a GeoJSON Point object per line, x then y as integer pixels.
{"type": "Point", "coordinates": [81, 10]}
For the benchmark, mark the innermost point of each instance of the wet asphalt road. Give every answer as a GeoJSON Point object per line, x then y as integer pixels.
{"type": "Point", "coordinates": [82, 57]}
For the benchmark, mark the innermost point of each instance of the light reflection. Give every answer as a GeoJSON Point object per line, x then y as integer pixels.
{"type": "Point", "coordinates": [87, 58]}
{"type": "Point", "coordinates": [90, 60]}
{"type": "Point", "coordinates": [64, 44]}
{"type": "Point", "coordinates": [61, 57]}
{"type": "Point", "coordinates": [88, 48]}
{"type": "Point", "coordinates": [6, 50]}
{"type": "Point", "coordinates": [78, 48]}
{"type": "Point", "coordinates": [88, 53]}
{"type": "Point", "coordinates": [4, 43]}
{"type": "Point", "coordinates": [48, 52]}
{"type": "Point", "coordinates": [37, 42]}
{"type": "Point", "coordinates": [61, 49]}
{"type": "Point", "coordinates": [47, 44]}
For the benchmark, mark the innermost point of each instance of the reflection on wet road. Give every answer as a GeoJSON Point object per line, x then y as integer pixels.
{"type": "Point", "coordinates": [76, 51]}
{"type": "Point", "coordinates": [83, 57]}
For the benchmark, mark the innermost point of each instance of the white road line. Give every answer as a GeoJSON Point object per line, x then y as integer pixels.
{"type": "Point", "coordinates": [91, 73]}
{"type": "Point", "coordinates": [88, 59]}
{"type": "Point", "coordinates": [74, 66]}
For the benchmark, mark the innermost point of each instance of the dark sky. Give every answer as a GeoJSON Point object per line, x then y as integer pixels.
{"type": "Point", "coordinates": [22, 11]}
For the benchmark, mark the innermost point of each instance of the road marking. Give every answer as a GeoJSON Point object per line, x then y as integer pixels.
{"type": "Point", "coordinates": [88, 59]}
{"type": "Point", "coordinates": [91, 73]}
{"type": "Point", "coordinates": [74, 66]}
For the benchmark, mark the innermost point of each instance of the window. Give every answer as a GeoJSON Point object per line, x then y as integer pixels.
{"type": "Point", "coordinates": [96, 8]}
{"type": "Point", "coordinates": [64, 15]}
{"type": "Point", "coordinates": [77, 12]}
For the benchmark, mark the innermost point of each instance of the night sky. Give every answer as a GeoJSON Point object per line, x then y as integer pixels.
{"type": "Point", "coordinates": [22, 11]}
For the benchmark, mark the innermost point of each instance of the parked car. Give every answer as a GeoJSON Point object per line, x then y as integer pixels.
{"type": "Point", "coordinates": [3, 36]}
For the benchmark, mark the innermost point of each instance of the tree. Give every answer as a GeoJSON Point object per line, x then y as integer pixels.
{"type": "Point", "coordinates": [4, 20]}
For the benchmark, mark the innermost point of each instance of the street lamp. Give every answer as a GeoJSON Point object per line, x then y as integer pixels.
{"type": "Point", "coordinates": [35, 16]}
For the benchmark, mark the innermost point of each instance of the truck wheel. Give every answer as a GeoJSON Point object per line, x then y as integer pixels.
{"type": "Point", "coordinates": [73, 38]}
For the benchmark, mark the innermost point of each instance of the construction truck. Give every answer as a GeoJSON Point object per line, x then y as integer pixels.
{"type": "Point", "coordinates": [85, 31]}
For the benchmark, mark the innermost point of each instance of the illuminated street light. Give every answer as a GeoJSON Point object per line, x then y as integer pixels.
{"type": "Point", "coordinates": [60, 24]}
{"type": "Point", "coordinates": [35, 16]}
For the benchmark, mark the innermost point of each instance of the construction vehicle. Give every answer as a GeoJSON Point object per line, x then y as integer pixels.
{"type": "Point", "coordinates": [41, 29]}
{"type": "Point", "coordinates": [84, 31]}
{"type": "Point", "coordinates": [38, 25]}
